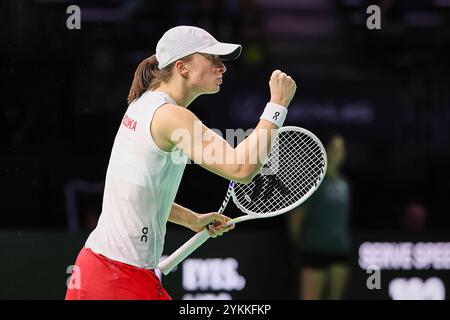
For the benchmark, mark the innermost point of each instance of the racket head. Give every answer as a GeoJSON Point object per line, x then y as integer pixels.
{"type": "Point", "coordinates": [295, 168]}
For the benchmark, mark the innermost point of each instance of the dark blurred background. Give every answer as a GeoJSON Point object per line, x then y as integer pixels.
{"type": "Point", "coordinates": [386, 91]}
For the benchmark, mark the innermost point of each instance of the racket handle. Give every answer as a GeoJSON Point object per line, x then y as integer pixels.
{"type": "Point", "coordinates": [186, 249]}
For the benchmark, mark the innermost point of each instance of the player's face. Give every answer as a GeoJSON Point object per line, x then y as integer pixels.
{"type": "Point", "coordinates": [205, 74]}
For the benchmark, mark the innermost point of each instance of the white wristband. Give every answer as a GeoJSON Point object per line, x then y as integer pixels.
{"type": "Point", "coordinates": [274, 113]}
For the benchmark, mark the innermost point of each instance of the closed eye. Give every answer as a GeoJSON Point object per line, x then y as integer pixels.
{"type": "Point", "coordinates": [211, 57]}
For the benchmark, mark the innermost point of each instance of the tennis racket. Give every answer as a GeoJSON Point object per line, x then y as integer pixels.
{"type": "Point", "coordinates": [294, 169]}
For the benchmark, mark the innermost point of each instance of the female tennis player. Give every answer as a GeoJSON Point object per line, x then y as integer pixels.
{"type": "Point", "coordinates": [121, 253]}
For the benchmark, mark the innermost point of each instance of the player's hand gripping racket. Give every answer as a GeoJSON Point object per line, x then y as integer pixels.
{"type": "Point", "coordinates": [293, 171]}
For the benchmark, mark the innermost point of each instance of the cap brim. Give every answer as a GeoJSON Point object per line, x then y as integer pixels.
{"type": "Point", "coordinates": [226, 51]}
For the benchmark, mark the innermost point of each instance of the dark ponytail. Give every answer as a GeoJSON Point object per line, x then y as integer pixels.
{"type": "Point", "coordinates": [147, 76]}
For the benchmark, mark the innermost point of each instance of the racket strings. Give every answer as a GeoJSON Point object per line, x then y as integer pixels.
{"type": "Point", "coordinates": [310, 168]}
{"type": "Point", "coordinates": [312, 152]}
{"type": "Point", "coordinates": [294, 167]}
{"type": "Point", "coordinates": [311, 172]}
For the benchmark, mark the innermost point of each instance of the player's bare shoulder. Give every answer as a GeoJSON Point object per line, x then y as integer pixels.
{"type": "Point", "coordinates": [167, 119]}
{"type": "Point", "coordinates": [171, 117]}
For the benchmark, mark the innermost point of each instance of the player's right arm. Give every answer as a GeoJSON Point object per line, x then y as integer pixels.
{"type": "Point", "coordinates": [175, 126]}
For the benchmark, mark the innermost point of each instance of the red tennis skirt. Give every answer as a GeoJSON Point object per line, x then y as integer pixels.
{"type": "Point", "coordinates": [95, 277]}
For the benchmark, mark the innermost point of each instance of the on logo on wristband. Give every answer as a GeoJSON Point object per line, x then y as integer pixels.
{"type": "Point", "coordinates": [274, 113]}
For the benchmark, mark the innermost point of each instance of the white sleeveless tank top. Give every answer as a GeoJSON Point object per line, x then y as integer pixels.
{"type": "Point", "coordinates": [141, 184]}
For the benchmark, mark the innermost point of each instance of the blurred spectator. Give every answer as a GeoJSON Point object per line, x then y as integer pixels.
{"type": "Point", "coordinates": [320, 232]}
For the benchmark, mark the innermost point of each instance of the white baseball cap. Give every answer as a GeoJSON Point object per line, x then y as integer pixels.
{"type": "Point", "coordinates": [182, 41]}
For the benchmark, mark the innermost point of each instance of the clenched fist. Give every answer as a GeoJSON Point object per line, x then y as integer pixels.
{"type": "Point", "coordinates": [282, 88]}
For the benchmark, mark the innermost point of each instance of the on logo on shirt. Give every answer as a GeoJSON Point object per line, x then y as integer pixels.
{"type": "Point", "coordinates": [144, 234]}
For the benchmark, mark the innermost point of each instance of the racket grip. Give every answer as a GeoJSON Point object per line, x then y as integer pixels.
{"type": "Point", "coordinates": [185, 250]}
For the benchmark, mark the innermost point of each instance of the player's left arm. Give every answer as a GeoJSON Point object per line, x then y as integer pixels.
{"type": "Point", "coordinates": [196, 222]}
